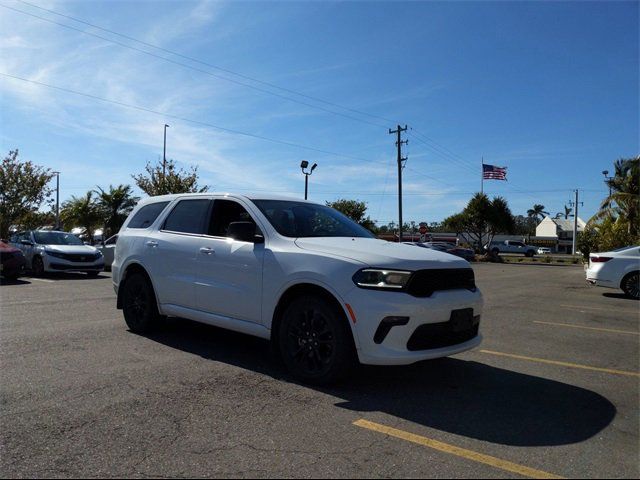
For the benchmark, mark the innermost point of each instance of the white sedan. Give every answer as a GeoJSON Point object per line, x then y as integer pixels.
{"type": "Point", "coordinates": [617, 269]}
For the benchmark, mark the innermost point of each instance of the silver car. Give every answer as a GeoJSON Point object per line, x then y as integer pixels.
{"type": "Point", "coordinates": [108, 249]}
{"type": "Point", "coordinates": [53, 251]}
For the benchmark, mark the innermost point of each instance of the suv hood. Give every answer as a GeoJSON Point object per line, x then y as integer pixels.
{"type": "Point", "coordinates": [78, 249]}
{"type": "Point", "coordinates": [380, 253]}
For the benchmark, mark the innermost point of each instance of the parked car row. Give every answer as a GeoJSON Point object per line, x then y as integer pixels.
{"type": "Point", "coordinates": [48, 251]}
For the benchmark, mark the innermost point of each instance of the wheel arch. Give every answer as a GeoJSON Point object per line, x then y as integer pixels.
{"type": "Point", "coordinates": [128, 271]}
{"type": "Point", "coordinates": [627, 275]}
{"type": "Point", "coordinates": [306, 288]}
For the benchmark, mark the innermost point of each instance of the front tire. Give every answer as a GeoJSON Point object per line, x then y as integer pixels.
{"type": "Point", "coordinates": [631, 285]}
{"type": "Point", "coordinates": [139, 304]}
{"type": "Point", "coordinates": [315, 341]}
{"type": "Point", "coordinates": [37, 265]}
{"type": "Point", "coordinates": [530, 253]}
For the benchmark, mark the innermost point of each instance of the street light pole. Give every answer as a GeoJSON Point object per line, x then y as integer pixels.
{"type": "Point", "coordinates": [303, 165]}
{"type": "Point", "coordinates": [164, 154]}
{"type": "Point", "coordinates": [57, 174]}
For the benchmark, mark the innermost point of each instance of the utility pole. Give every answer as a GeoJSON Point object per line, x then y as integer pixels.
{"type": "Point", "coordinates": [57, 174]}
{"type": "Point", "coordinates": [399, 143]}
{"type": "Point", "coordinates": [575, 224]}
{"type": "Point", "coordinates": [164, 155]}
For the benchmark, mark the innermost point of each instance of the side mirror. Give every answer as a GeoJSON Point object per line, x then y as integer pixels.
{"type": "Point", "coordinates": [26, 242]}
{"type": "Point", "coordinates": [244, 232]}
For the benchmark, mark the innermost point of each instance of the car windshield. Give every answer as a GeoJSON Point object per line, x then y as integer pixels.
{"type": "Point", "coordinates": [301, 219]}
{"type": "Point", "coordinates": [56, 238]}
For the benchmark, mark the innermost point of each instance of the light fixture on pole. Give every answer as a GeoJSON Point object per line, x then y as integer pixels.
{"type": "Point", "coordinates": [303, 165]}
{"type": "Point", "coordinates": [57, 174]}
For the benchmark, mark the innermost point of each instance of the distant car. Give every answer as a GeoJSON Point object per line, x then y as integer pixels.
{"type": "Point", "coordinates": [511, 246]}
{"type": "Point", "coordinates": [12, 261]}
{"type": "Point", "coordinates": [108, 250]}
{"type": "Point", "coordinates": [465, 253]}
{"type": "Point", "coordinates": [617, 269]}
{"type": "Point", "coordinates": [53, 251]}
{"type": "Point", "coordinates": [544, 250]}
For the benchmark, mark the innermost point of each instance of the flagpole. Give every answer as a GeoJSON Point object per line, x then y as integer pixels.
{"type": "Point", "coordinates": [482, 176]}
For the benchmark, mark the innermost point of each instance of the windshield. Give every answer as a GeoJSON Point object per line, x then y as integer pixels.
{"type": "Point", "coordinates": [300, 219]}
{"type": "Point", "coordinates": [56, 238]}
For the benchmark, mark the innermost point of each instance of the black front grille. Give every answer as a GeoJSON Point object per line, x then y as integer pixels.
{"type": "Point", "coordinates": [78, 257]}
{"type": "Point", "coordinates": [462, 327]}
{"type": "Point", "coordinates": [424, 282]}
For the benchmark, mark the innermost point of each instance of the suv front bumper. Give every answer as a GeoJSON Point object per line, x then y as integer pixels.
{"type": "Point", "coordinates": [370, 307]}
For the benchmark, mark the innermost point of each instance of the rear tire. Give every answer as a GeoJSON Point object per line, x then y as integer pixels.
{"type": "Point", "coordinates": [631, 285]}
{"type": "Point", "coordinates": [495, 251]}
{"type": "Point", "coordinates": [139, 304]}
{"type": "Point", "coordinates": [530, 253]}
{"type": "Point", "coordinates": [315, 341]}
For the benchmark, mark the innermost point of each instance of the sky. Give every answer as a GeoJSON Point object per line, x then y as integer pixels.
{"type": "Point", "coordinates": [250, 89]}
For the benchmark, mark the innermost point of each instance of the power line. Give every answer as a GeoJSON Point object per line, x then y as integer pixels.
{"type": "Point", "coordinates": [196, 122]}
{"type": "Point", "coordinates": [206, 72]}
{"type": "Point", "coordinates": [226, 70]}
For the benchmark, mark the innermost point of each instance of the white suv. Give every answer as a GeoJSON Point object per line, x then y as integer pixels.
{"type": "Point", "coordinates": [320, 287]}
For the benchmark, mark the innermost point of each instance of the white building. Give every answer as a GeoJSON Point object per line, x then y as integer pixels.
{"type": "Point", "coordinates": [559, 231]}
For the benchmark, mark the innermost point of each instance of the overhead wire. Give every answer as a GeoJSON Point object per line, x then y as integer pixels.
{"type": "Point", "coordinates": [191, 67]}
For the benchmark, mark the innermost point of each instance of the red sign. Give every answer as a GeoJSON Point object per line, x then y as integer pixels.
{"type": "Point", "coordinates": [422, 229]}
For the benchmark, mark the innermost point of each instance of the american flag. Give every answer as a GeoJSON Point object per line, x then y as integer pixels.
{"type": "Point", "coordinates": [491, 172]}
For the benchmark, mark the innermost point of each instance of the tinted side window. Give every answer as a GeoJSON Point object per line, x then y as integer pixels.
{"type": "Point", "coordinates": [188, 216]}
{"type": "Point", "coordinates": [147, 215]}
{"type": "Point", "coordinates": [223, 213]}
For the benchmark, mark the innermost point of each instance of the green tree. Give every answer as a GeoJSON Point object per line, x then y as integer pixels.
{"type": "Point", "coordinates": [82, 212]}
{"type": "Point", "coordinates": [624, 202]}
{"type": "Point", "coordinates": [482, 216]}
{"type": "Point", "coordinates": [23, 190]}
{"type": "Point", "coordinates": [175, 180]}
{"type": "Point", "coordinates": [115, 205]}
{"type": "Point", "coordinates": [355, 210]}
{"type": "Point", "coordinates": [537, 212]}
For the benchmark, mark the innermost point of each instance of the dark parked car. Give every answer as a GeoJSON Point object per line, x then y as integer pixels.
{"type": "Point", "coordinates": [12, 261]}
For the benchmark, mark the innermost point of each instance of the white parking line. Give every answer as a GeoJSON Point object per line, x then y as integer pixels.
{"type": "Point", "coordinates": [41, 280]}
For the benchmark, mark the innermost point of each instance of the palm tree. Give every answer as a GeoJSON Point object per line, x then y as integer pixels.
{"type": "Point", "coordinates": [82, 212]}
{"type": "Point", "coordinates": [115, 204]}
{"type": "Point", "coordinates": [537, 212]}
{"type": "Point", "coordinates": [624, 202]}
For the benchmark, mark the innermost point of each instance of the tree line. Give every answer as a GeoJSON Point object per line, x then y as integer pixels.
{"type": "Point", "coordinates": [25, 190]}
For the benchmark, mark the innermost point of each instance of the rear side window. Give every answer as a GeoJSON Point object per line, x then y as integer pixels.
{"type": "Point", "coordinates": [188, 216]}
{"type": "Point", "coordinates": [147, 215]}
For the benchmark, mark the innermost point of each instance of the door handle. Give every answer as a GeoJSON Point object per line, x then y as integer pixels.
{"type": "Point", "coordinates": [151, 243]}
{"type": "Point", "coordinates": [207, 250]}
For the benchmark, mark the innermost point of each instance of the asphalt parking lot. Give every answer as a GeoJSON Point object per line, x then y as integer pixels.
{"type": "Point", "coordinates": [552, 392]}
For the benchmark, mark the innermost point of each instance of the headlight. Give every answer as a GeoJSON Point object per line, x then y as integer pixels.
{"type": "Point", "coordinates": [383, 279]}
{"type": "Point", "coordinates": [98, 254]}
{"type": "Point", "coordinates": [54, 254]}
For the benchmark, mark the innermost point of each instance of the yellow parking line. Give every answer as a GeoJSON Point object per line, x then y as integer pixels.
{"type": "Point", "coordinates": [628, 332]}
{"type": "Point", "coordinates": [562, 364]}
{"type": "Point", "coordinates": [453, 450]}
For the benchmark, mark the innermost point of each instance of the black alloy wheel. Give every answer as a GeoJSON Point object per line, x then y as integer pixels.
{"type": "Point", "coordinates": [631, 285]}
{"type": "Point", "coordinates": [37, 265]}
{"type": "Point", "coordinates": [139, 304]}
{"type": "Point", "coordinates": [315, 342]}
